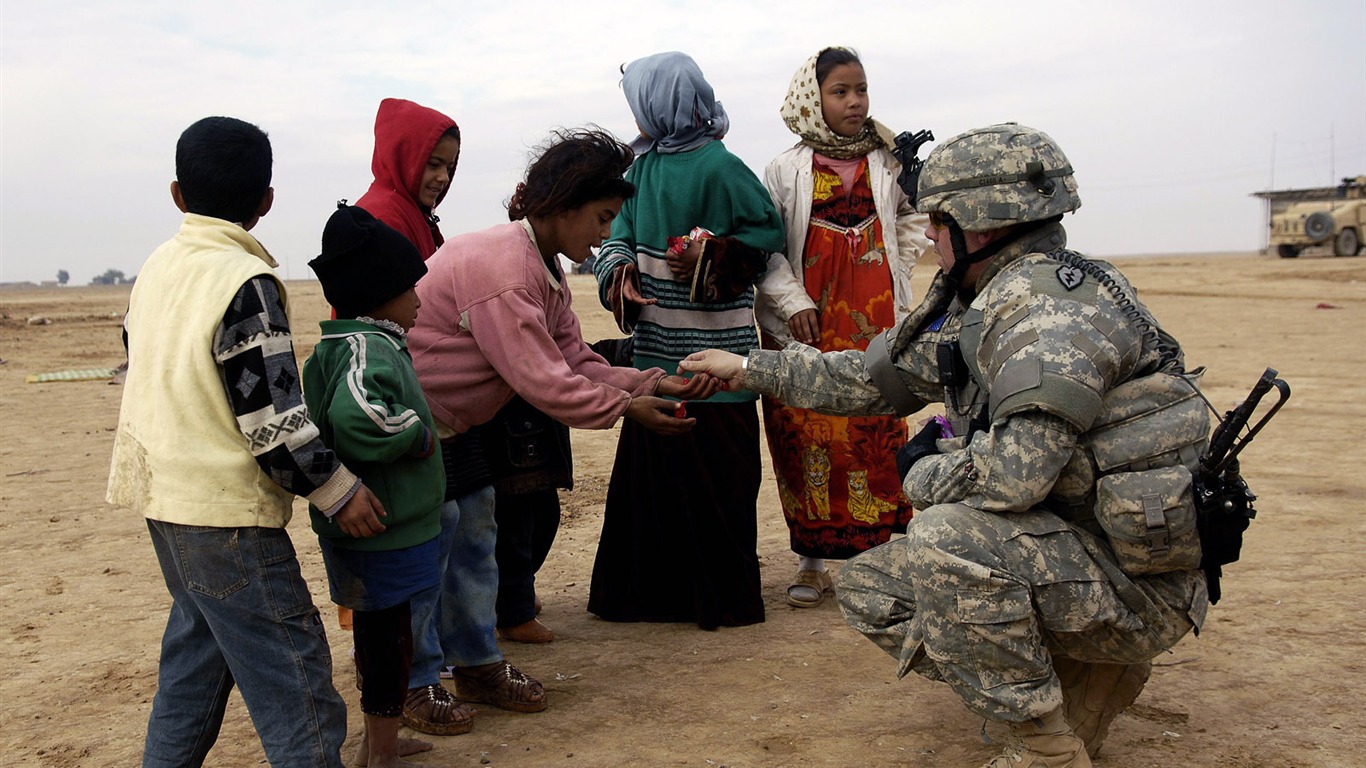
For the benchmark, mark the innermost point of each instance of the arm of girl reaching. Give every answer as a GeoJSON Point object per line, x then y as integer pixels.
{"type": "Point", "coordinates": [368, 423]}
{"type": "Point", "coordinates": [698, 387]}
{"type": "Point", "coordinates": [253, 339]}
{"type": "Point", "coordinates": [509, 329]}
{"type": "Point", "coordinates": [583, 360]}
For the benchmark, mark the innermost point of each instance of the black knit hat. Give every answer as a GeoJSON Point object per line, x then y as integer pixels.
{"type": "Point", "coordinates": [364, 262]}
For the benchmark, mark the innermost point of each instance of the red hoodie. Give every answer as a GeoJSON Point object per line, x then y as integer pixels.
{"type": "Point", "coordinates": [405, 135]}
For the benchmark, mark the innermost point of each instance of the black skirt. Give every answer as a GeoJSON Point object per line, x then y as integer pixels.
{"type": "Point", "coordinates": [679, 534]}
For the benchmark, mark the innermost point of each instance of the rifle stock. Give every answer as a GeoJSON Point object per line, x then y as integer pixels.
{"type": "Point", "coordinates": [1223, 500]}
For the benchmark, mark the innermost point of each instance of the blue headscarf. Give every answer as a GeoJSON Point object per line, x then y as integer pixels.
{"type": "Point", "coordinates": [673, 103]}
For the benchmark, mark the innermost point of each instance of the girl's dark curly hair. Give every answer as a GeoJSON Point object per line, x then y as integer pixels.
{"type": "Point", "coordinates": [573, 168]}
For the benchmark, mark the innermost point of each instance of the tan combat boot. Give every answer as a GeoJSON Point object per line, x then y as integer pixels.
{"type": "Point", "coordinates": [1044, 742]}
{"type": "Point", "coordinates": [1093, 693]}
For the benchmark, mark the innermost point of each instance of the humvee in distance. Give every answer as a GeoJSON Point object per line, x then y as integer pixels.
{"type": "Point", "coordinates": [1339, 222]}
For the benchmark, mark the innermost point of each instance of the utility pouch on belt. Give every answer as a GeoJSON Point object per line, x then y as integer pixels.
{"type": "Point", "coordinates": [1145, 443]}
{"type": "Point", "coordinates": [1149, 518]}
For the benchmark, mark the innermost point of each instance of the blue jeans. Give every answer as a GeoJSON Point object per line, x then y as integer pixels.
{"type": "Point", "coordinates": [241, 614]}
{"type": "Point", "coordinates": [454, 624]}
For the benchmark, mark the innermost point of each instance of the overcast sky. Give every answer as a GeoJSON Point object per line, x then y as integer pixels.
{"type": "Point", "coordinates": [1171, 112]}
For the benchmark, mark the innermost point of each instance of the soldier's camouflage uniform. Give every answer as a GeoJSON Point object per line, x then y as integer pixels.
{"type": "Point", "coordinates": [1004, 564]}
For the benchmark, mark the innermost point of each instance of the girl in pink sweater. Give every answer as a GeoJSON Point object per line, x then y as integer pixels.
{"type": "Point", "coordinates": [497, 320]}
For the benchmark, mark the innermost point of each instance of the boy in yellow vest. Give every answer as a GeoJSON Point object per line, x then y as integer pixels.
{"type": "Point", "coordinates": [212, 445]}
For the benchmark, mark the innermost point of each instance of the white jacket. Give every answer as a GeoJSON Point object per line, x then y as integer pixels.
{"type": "Point", "coordinates": [782, 291]}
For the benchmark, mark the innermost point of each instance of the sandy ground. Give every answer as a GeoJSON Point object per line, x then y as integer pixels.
{"type": "Point", "coordinates": [1275, 679]}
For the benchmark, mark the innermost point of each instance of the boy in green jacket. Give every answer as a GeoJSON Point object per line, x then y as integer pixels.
{"type": "Point", "coordinates": [362, 392]}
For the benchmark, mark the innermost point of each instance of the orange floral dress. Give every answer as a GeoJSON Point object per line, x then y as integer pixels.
{"type": "Point", "coordinates": [837, 477]}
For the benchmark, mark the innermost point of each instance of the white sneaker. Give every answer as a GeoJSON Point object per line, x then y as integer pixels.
{"type": "Point", "coordinates": [447, 674]}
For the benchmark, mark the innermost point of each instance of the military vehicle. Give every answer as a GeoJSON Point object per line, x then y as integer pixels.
{"type": "Point", "coordinates": [1339, 222]}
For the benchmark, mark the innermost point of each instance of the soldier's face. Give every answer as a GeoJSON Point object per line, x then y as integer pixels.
{"type": "Point", "coordinates": [975, 241]}
{"type": "Point", "coordinates": [938, 233]}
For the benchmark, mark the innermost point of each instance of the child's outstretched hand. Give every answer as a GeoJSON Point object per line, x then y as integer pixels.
{"type": "Point", "coordinates": [699, 387]}
{"type": "Point", "coordinates": [359, 516]}
{"type": "Point", "coordinates": [659, 415]}
{"type": "Point", "coordinates": [725, 366]}
{"type": "Point", "coordinates": [630, 286]}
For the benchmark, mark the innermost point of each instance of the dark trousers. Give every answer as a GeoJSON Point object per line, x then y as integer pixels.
{"type": "Point", "coordinates": [384, 656]}
{"type": "Point", "coordinates": [527, 524]}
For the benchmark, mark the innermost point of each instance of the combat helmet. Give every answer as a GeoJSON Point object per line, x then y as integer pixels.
{"type": "Point", "coordinates": [997, 176]}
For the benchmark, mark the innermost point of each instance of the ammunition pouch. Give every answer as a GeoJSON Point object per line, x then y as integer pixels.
{"type": "Point", "coordinates": [1145, 444]}
{"type": "Point", "coordinates": [1149, 518]}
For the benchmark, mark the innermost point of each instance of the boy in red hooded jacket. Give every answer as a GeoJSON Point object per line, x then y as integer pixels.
{"type": "Point", "coordinates": [416, 149]}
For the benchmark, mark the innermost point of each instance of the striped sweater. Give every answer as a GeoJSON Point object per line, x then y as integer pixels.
{"type": "Point", "coordinates": [706, 187]}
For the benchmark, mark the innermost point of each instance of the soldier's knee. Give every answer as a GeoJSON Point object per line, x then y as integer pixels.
{"type": "Point", "coordinates": [872, 567]}
{"type": "Point", "coordinates": [939, 526]}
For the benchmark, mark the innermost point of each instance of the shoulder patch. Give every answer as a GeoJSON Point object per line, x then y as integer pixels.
{"type": "Point", "coordinates": [1070, 277]}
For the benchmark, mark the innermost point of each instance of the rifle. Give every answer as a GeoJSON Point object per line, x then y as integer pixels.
{"type": "Point", "coordinates": [907, 147]}
{"type": "Point", "coordinates": [1223, 501]}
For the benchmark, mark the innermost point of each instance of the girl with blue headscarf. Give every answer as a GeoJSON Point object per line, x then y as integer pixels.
{"type": "Point", "coordinates": [679, 534]}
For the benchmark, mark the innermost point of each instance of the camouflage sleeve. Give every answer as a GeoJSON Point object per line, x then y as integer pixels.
{"type": "Point", "coordinates": [834, 382]}
{"type": "Point", "coordinates": [839, 383]}
{"type": "Point", "coordinates": [1010, 468]}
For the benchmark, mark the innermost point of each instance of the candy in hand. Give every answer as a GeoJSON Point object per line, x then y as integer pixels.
{"type": "Point", "coordinates": [678, 245]}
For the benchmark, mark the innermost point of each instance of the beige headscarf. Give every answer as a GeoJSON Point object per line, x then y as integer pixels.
{"type": "Point", "coordinates": [801, 111]}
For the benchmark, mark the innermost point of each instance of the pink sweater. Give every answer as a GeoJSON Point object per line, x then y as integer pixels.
{"type": "Point", "coordinates": [494, 321]}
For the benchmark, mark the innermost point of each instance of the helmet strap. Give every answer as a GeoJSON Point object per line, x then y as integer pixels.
{"type": "Point", "coordinates": [962, 261]}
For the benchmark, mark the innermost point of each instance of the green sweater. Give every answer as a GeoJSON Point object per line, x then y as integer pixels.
{"type": "Point", "coordinates": [363, 395]}
{"type": "Point", "coordinates": [706, 187]}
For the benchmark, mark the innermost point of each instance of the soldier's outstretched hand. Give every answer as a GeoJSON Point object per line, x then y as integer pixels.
{"type": "Point", "coordinates": [726, 366]}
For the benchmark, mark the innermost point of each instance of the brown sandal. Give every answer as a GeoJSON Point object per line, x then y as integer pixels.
{"type": "Point", "coordinates": [432, 709]}
{"type": "Point", "coordinates": [502, 685]}
{"type": "Point", "coordinates": [531, 632]}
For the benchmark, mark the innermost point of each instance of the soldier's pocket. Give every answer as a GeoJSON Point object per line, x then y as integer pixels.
{"type": "Point", "coordinates": [998, 622]}
{"type": "Point", "coordinates": [1072, 592]}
